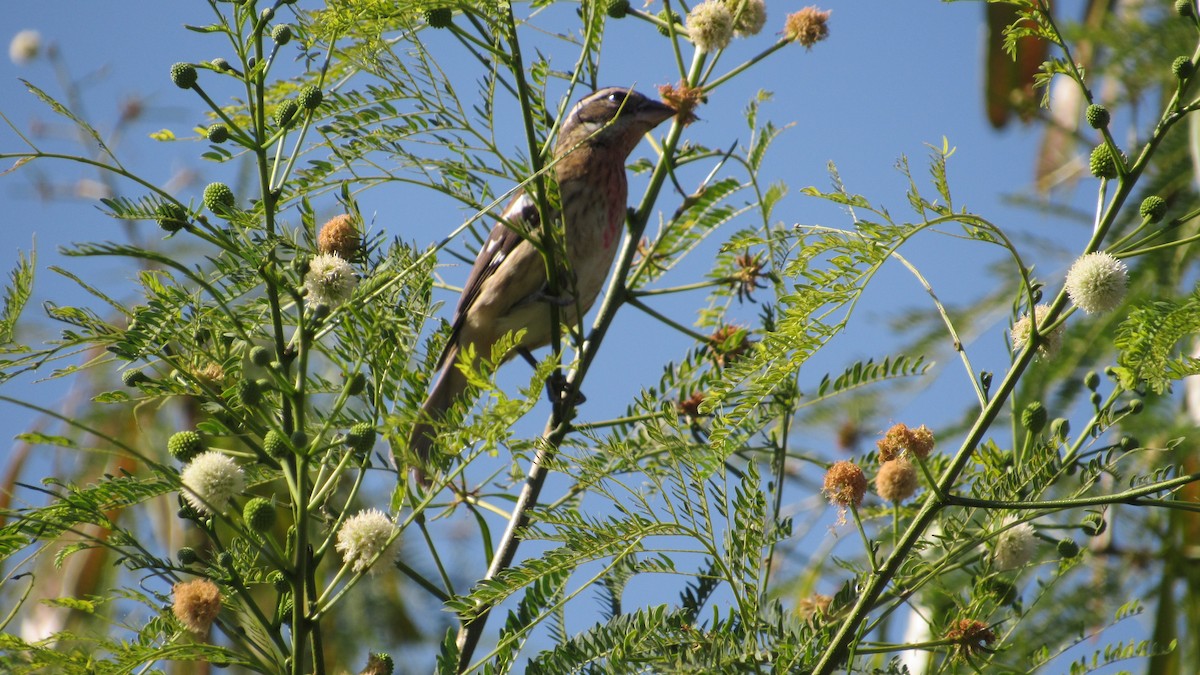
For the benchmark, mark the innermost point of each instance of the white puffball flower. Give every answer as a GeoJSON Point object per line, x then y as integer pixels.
{"type": "Point", "coordinates": [25, 47]}
{"type": "Point", "coordinates": [1015, 547]}
{"type": "Point", "coordinates": [710, 26]}
{"type": "Point", "coordinates": [1023, 329]}
{"type": "Point", "coordinates": [330, 280]}
{"type": "Point", "coordinates": [750, 18]}
{"type": "Point", "coordinates": [1096, 282]}
{"type": "Point", "coordinates": [364, 536]}
{"type": "Point", "coordinates": [210, 480]}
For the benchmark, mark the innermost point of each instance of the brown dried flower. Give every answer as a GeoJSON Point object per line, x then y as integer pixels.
{"type": "Point", "coordinates": [970, 636]}
{"type": "Point", "coordinates": [845, 484]}
{"type": "Point", "coordinates": [339, 237]}
{"type": "Point", "coordinates": [808, 26]}
{"type": "Point", "coordinates": [748, 277]}
{"type": "Point", "coordinates": [900, 440]}
{"type": "Point", "coordinates": [729, 343]}
{"type": "Point", "coordinates": [690, 407]}
{"type": "Point", "coordinates": [197, 604]}
{"type": "Point", "coordinates": [683, 98]}
{"type": "Point", "coordinates": [896, 480]}
{"type": "Point", "coordinates": [813, 605]}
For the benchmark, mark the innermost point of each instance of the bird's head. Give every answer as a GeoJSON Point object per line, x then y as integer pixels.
{"type": "Point", "coordinates": [613, 119]}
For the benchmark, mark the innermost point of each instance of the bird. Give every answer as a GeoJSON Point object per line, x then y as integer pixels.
{"type": "Point", "coordinates": [507, 289]}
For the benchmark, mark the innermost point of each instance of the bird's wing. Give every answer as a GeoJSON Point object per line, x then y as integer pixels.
{"type": "Point", "coordinates": [520, 216]}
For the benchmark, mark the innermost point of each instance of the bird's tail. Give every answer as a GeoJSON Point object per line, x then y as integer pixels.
{"type": "Point", "coordinates": [451, 383]}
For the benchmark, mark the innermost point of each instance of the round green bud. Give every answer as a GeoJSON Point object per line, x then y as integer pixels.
{"type": "Point", "coordinates": [1091, 380]}
{"type": "Point", "coordinates": [218, 133]}
{"type": "Point", "coordinates": [299, 440]}
{"type": "Point", "coordinates": [1096, 398]}
{"type": "Point", "coordinates": [1004, 591]}
{"type": "Point", "coordinates": [171, 217]}
{"type": "Point", "coordinates": [260, 356]}
{"type": "Point", "coordinates": [278, 581]}
{"type": "Point", "coordinates": [274, 445]}
{"type": "Point", "coordinates": [440, 17]}
{"type": "Point", "coordinates": [259, 514]}
{"type": "Point", "coordinates": [667, 16]}
{"type": "Point", "coordinates": [1033, 417]}
{"type": "Point", "coordinates": [320, 311]}
{"type": "Point", "coordinates": [285, 611]}
{"type": "Point", "coordinates": [1136, 406]}
{"type": "Point", "coordinates": [221, 65]}
{"type": "Point", "coordinates": [1182, 67]}
{"type": "Point", "coordinates": [1153, 208]}
{"type": "Point", "coordinates": [1130, 443]}
{"type": "Point", "coordinates": [218, 197]}
{"type": "Point", "coordinates": [225, 559]}
{"type": "Point", "coordinates": [383, 664]}
{"type": "Point", "coordinates": [1093, 525]}
{"type": "Point", "coordinates": [1097, 116]}
{"type": "Point", "coordinates": [267, 14]}
{"type": "Point", "coordinates": [361, 437]}
{"type": "Point", "coordinates": [183, 75]}
{"type": "Point", "coordinates": [249, 393]}
{"type": "Point", "coordinates": [1102, 163]}
{"type": "Point", "coordinates": [355, 384]}
{"type": "Point", "coordinates": [187, 556]}
{"type": "Point", "coordinates": [1185, 8]}
{"type": "Point", "coordinates": [617, 9]}
{"type": "Point", "coordinates": [310, 97]}
{"type": "Point", "coordinates": [285, 114]}
{"type": "Point", "coordinates": [1067, 548]}
{"type": "Point", "coordinates": [281, 34]}
{"type": "Point", "coordinates": [133, 377]}
{"type": "Point", "coordinates": [185, 445]}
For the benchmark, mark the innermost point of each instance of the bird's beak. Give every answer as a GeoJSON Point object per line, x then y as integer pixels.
{"type": "Point", "coordinates": [654, 112]}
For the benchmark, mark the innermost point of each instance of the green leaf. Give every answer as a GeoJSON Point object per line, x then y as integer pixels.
{"type": "Point", "coordinates": [20, 288]}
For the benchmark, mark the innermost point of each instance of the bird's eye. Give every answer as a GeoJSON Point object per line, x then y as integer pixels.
{"type": "Point", "coordinates": [615, 98]}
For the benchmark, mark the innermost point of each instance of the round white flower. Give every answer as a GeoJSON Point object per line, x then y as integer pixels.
{"type": "Point", "coordinates": [749, 16]}
{"type": "Point", "coordinates": [1096, 282]}
{"type": "Point", "coordinates": [210, 480]}
{"type": "Point", "coordinates": [330, 280]}
{"type": "Point", "coordinates": [710, 26]}
{"type": "Point", "coordinates": [1022, 329]}
{"type": "Point", "coordinates": [1015, 547]}
{"type": "Point", "coordinates": [25, 47]}
{"type": "Point", "coordinates": [364, 536]}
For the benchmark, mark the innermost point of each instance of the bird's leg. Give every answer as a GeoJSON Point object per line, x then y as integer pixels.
{"type": "Point", "coordinates": [556, 386]}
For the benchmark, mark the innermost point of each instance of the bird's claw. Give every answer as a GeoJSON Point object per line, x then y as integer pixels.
{"type": "Point", "coordinates": [556, 389]}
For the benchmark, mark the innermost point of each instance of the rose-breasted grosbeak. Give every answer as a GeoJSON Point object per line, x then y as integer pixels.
{"type": "Point", "coordinates": [507, 289]}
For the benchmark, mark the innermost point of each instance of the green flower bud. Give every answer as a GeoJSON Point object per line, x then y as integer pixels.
{"type": "Point", "coordinates": [259, 514]}
{"type": "Point", "coordinates": [171, 217]}
{"type": "Point", "coordinates": [285, 114]}
{"type": "Point", "coordinates": [133, 377]}
{"type": "Point", "coordinates": [218, 133]}
{"type": "Point", "coordinates": [1153, 208]}
{"type": "Point", "coordinates": [1185, 8]}
{"type": "Point", "coordinates": [274, 445]}
{"type": "Point", "coordinates": [1097, 116]}
{"type": "Point", "coordinates": [1060, 428]}
{"type": "Point", "coordinates": [267, 14]}
{"type": "Point", "coordinates": [667, 16]}
{"type": "Point", "coordinates": [380, 664]}
{"type": "Point", "coordinates": [1182, 67]}
{"type": "Point", "coordinates": [1136, 406]}
{"type": "Point", "coordinates": [278, 581]}
{"type": "Point", "coordinates": [1004, 591]}
{"type": "Point", "coordinates": [187, 556]}
{"type": "Point", "coordinates": [1067, 548]}
{"type": "Point", "coordinates": [225, 559]}
{"type": "Point", "coordinates": [218, 197]}
{"type": "Point", "coordinates": [617, 9]}
{"type": "Point", "coordinates": [361, 437]}
{"type": "Point", "coordinates": [299, 440]}
{"type": "Point", "coordinates": [260, 356]}
{"type": "Point", "coordinates": [185, 445]}
{"type": "Point", "coordinates": [310, 97]}
{"type": "Point", "coordinates": [440, 17]}
{"type": "Point", "coordinates": [1102, 163]}
{"type": "Point", "coordinates": [1130, 443]}
{"type": "Point", "coordinates": [249, 393]}
{"type": "Point", "coordinates": [355, 384]}
{"type": "Point", "coordinates": [183, 75]}
{"type": "Point", "coordinates": [1033, 417]}
{"type": "Point", "coordinates": [221, 65]}
{"type": "Point", "coordinates": [281, 34]}
{"type": "Point", "coordinates": [1091, 380]}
